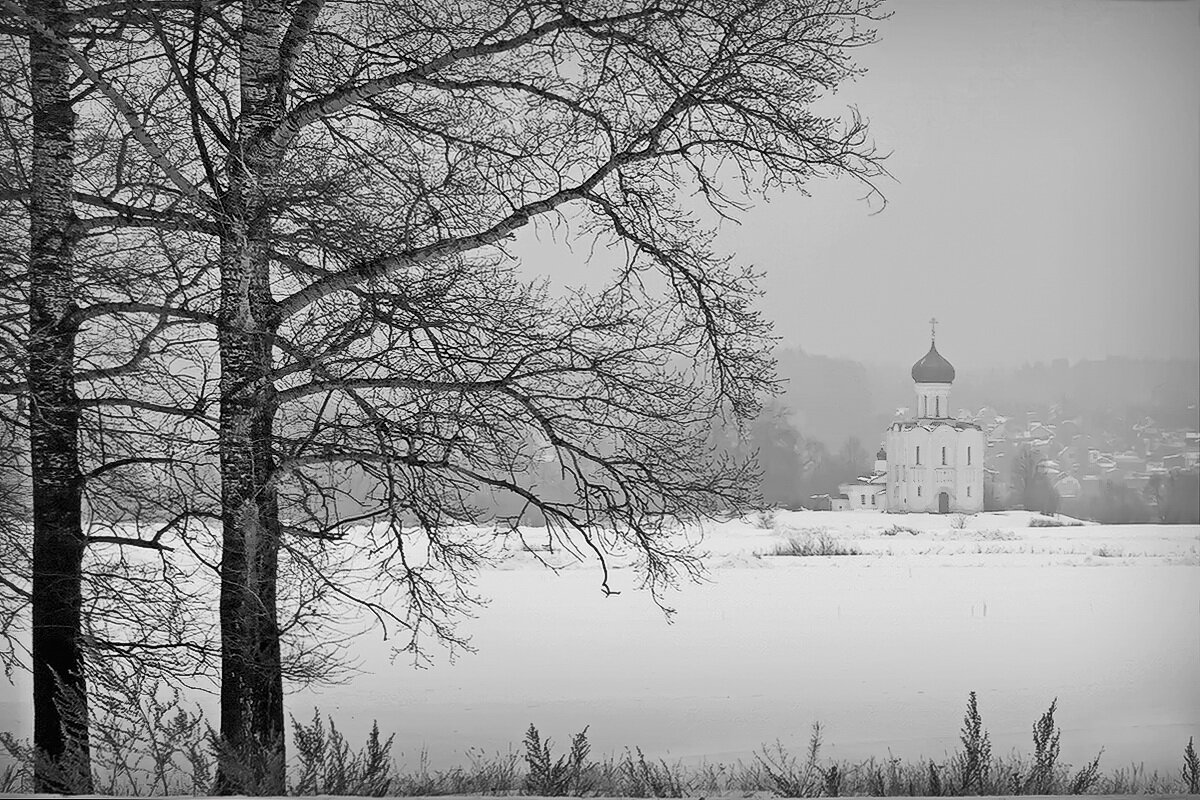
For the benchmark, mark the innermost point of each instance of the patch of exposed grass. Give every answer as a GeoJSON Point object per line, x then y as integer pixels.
{"type": "Point", "coordinates": [813, 543]}
{"type": "Point", "coordinates": [763, 520]}
{"type": "Point", "coordinates": [1053, 522]}
{"type": "Point", "coordinates": [898, 528]}
{"type": "Point", "coordinates": [993, 535]}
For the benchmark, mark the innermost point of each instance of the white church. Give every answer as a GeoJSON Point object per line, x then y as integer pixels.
{"type": "Point", "coordinates": [930, 462]}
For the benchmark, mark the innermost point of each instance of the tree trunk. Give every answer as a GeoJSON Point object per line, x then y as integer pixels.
{"type": "Point", "coordinates": [252, 726]}
{"type": "Point", "coordinates": [60, 724]}
{"type": "Point", "coordinates": [252, 729]}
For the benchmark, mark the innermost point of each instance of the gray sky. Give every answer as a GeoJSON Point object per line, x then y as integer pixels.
{"type": "Point", "coordinates": [1047, 194]}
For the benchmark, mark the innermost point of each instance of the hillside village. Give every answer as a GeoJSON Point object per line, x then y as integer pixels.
{"type": "Point", "coordinates": [1086, 464]}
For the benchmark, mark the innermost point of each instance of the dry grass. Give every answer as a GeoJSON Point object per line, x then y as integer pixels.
{"type": "Point", "coordinates": [817, 542]}
{"type": "Point", "coordinates": [323, 762]}
{"type": "Point", "coordinates": [1053, 522]}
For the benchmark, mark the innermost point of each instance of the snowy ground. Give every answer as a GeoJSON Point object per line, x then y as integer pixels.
{"type": "Point", "coordinates": [882, 648]}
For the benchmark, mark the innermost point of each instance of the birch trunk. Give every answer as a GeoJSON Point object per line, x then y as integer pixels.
{"type": "Point", "coordinates": [252, 724]}
{"type": "Point", "coordinates": [60, 722]}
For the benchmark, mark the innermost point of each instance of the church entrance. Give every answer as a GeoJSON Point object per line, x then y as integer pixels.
{"type": "Point", "coordinates": [943, 503]}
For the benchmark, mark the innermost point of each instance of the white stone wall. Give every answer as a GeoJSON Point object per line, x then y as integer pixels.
{"type": "Point", "coordinates": [915, 481]}
{"type": "Point", "coordinates": [933, 400]}
{"type": "Point", "coordinates": [861, 495]}
{"type": "Point", "coordinates": [968, 497]}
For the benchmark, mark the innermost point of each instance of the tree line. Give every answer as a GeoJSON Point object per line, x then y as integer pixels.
{"type": "Point", "coordinates": [794, 468]}
{"type": "Point", "coordinates": [254, 253]}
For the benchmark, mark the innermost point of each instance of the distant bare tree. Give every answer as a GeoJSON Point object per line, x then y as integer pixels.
{"type": "Point", "coordinates": [358, 168]}
{"type": "Point", "coordinates": [1031, 483]}
{"type": "Point", "coordinates": [853, 458]}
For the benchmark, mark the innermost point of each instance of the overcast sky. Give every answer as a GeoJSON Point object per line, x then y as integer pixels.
{"type": "Point", "coordinates": [1046, 201]}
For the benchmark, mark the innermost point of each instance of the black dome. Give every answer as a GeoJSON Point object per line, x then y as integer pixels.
{"type": "Point", "coordinates": [933, 368]}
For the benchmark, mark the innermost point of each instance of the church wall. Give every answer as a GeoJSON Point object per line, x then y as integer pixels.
{"type": "Point", "coordinates": [864, 496]}
{"type": "Point", "coordinates": [933, 400]}
{"type": "Point", "coordinates": [915, 487]}
{"type": "Point", "coordinates": [969, 488]}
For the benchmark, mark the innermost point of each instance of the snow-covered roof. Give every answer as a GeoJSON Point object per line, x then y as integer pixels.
{"type": "Point", "coordinates": [957, 424]}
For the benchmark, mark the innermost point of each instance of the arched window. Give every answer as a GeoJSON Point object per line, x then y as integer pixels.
{"type": "Point", "coordinates": [943, 456]}
{"type": "Point", "coordinates": [968, 456]}
{"type": "Point", "coordinates": [918, 491]}
{"type": "Point", "coordinates": [937, 406]}
{"type": "Point", "coordinates": [918, 455]}
{"type": "Point", "coordinates": [968, 491]}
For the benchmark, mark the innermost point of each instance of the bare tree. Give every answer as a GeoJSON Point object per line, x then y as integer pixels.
{"type": "Point", "coordinates": [359, 168]}
{"type": "Point", "coordinates": [58, 539]}
{"type": "Point", "coordinates": [1031, 483]}
{"type": "Point", "coordinates": [86, 393]}
{"type": "Point", "coordinates": [138, 359]}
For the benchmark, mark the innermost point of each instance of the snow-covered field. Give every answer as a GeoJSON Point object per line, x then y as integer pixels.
{"type": "Point", "coordinates": [881, 647]}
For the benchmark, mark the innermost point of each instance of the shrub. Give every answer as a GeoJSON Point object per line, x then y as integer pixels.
{"type": "Point", "coordinates": [820, 543]}
{"type": "Point", "coordinates": [1191, 768]}
{"type": "Point", "coordinates": [1087, 777]}
{"type": "Point", "coordinates": [887, 778]}
{"type": "Point", "coordinates": [786, 776]}
{"type": "Point", "coordinates": [934, 788]}
{"type": "Point", "coordinates": [975, 760]}
{"type": "Point", "coordinates": [17, 777]}
{"type": "Point", "coordinates": [644, 778]}
{"type": "Point", "coordinates": [551, 778]}
{"type": "Point", "coordinates": [763, 520]}
{"type": "Point", "coordinates": [1042, 774]}
{"type": "Point", "coordinates": [143, 740]}
{"type": "Point", "coordinates": [833, 777]}
{"type": "Point", "coordinates": [482, 775]}
{"type": "Point", "coordinates": [327, 765]}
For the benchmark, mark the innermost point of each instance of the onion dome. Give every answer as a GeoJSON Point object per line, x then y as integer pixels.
{"type": "Point", "coordinates": [932, 368]}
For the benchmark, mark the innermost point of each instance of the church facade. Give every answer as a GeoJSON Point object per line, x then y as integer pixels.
{"type": "Point", "coordinates": [934, 462]}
